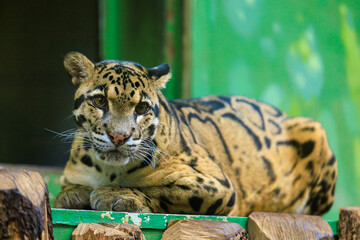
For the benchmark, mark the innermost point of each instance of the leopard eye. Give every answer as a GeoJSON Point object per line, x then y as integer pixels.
{"type": "Point", "coordinates": [142, 108]}
{"type": "Point", "coordinates": [99, 101]}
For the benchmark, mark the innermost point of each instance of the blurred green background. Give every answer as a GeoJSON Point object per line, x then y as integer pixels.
{"type": "Point", "coordinates": [301, 56]}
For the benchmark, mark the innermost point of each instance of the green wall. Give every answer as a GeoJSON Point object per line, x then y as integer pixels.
{"type": "Point", "coordinates": [301, 56]}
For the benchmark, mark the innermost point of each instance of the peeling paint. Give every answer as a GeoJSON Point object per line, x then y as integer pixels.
{"type": "Point", "coordinates": [146, 219]}
{"type": "Point", "coordinates": [108, 215]}
{"type": "Point", "coordinates": [125, 219]}
{"type": "Point", "coordinates": [224, 219]}
{"type": "Point", "coordinates": [165, 219]}
{"type": "Point", "coordinates": [134, 217]}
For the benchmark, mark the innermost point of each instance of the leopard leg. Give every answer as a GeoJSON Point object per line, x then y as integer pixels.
{"type": "Point", "coordinates": [73, 197]}
{"type": "Point", "coordinates": [195, 193]}
{"type": "Point", "coordinates": [115, 198]}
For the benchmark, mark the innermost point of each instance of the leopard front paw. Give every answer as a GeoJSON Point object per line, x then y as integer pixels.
{"type": "Point", "coordinates": [73, 197]}
{"type": "Point", "coordinates": [114, 198]}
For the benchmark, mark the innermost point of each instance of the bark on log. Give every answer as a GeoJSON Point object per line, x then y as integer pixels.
{"type": "Point", "coordinates": [203, 229]}
{"type": "Point", "coordinates": [107, 231]}
{"type": "Point", "coordinates": [25, 211]}
{"type": "Point", "coordinates": [263, 225]}
{"type": "Point", "coordinates": [349, 223]}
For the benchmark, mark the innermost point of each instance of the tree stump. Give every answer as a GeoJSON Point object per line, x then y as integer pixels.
{"type": "Point", "coordinates": [107, 231]}
{"type": "Point", "coordinates": [349, 223]}
{"type": "Point", "coordinates": [203, 229]}
{"type": "Point", "coordinates": [263, 225]}
{"type": "Point", "coordinates": [25, 211]}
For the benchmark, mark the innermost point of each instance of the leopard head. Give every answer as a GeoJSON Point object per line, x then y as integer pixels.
{"type": "Point", "coordinates": [116, 106]}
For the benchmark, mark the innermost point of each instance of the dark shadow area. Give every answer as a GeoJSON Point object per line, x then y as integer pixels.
{"type": "Point", "coordinates": [35, 91]}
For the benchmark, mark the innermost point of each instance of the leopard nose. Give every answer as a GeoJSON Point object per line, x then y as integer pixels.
{"type": "Point", "coordinates": [118, 139]}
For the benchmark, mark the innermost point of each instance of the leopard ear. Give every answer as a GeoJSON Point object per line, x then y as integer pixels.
{"type": "Point", "coordinates": [79, 67]}
{"type": "Point", "coordinates": [160, 74]}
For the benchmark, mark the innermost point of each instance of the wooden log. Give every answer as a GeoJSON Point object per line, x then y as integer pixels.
{"type": "Point", "coordinates": [203, 229]}
{"type": "Point", "coordinates": [107, 231]}
{"type": "Point", "coordinates": [349, 223]}
{"type": "Point", "coordinates": [263, 225]}
{"type": "Point", "coordinates": [25, 211]}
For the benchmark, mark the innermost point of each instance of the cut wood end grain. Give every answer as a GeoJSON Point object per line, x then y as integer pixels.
{"type": "Point", "coordinates": [107, 231]}
{"type": "Point", "coordinates": [262, 225]}
{"type": "Point", "coordinates": [203, 229]}
{"type": "Point", "coordinates": [24, 206]}
{"type": "Point", "coordinates": [349, 223]}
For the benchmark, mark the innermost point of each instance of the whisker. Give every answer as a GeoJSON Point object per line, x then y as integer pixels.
{"type": "Point", "coordinates": [150, 144]}
{"type": "Point", "coordinates": [67, 134]}
{"type": "Point", "coordinates": [68, 117]}
{"type": "Point", "coordinates": [161, 155]}
{"type": "Point", "coordinates": [143, 153]}
{"type": "Point", "coordinates": [78, 137]}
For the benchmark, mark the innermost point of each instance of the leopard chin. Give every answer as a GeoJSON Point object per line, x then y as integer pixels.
{"type": "Point", "coordinates": [114, 157]}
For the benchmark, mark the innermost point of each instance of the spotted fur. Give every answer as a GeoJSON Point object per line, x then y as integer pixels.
{"type": "Point", "coordinates": [213, 155]}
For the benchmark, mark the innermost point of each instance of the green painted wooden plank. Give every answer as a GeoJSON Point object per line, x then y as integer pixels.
{"type": "Point", "coordinates": [143, 220]}
{"type": "Point", "coordinates": [152, 225]}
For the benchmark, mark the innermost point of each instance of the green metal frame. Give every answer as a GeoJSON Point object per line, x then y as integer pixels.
{"type": "Point", "coordinates": [110, 29]}
{"type": "Point", "coordinates": [151, 42]}
{"type": "Point", "coordinates": [173, 47]}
